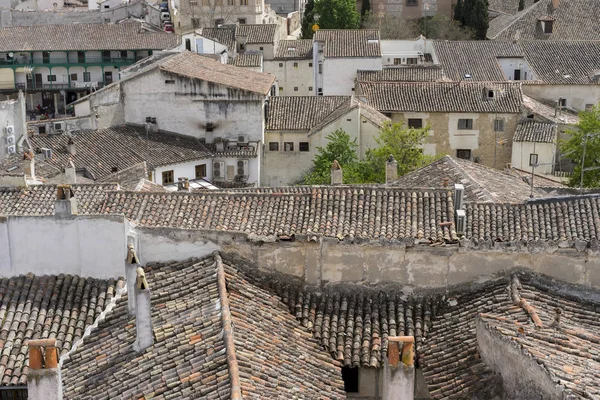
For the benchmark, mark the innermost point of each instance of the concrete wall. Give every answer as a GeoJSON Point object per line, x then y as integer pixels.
{"type": "Point", "coordinates": [292, 74]}
{"type": "Point", "coordinates": [105, 107]}
{"type": "Point", "coordinates": [522, 377]}
{"type": "Point", "coordinates": [93, 246]}
{"type": "Point", "coordinates": [339, 74]}
{"type": "Point", "coordinates": [578, 96]}
{"type": "Point", "coordinates": [545, 152]}
{"type": "Point", "coordinates": [12, 113]}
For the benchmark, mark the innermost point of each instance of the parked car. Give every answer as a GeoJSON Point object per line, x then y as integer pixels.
{"type": "Point", "coordinates": [164, 7]}
{"type": "Point", "coordinates": [168, 27]}
{"type": "Point", "coordinates": [165, 16]}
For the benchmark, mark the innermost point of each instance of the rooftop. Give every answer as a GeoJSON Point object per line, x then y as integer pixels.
{"type": "Point", "coordinates": [349, 43]}
{"type": "Point", "coordinates": [247, 60]}
{"type": "Point", "coordinates": [300, 112]}
{"type": "Point", "coordinates": [549, 113]}
{"type": "Point", "coordinates": [223, 35]}
{"type": "Point", "coordinates": [270, 355]}
{"type": "Point", "coordinates": [257, 33]}
{"type": "Point", "coordinates": [535, 131]}
{"type": "Point", "coordinates": [126, 36]}
{"type": "Point", "coordinates": [402, 74]}
{"type": "Point", "coordinates": [301, 49]}
{"type": "Point", "coordinates": [195, 66]}
{"type": "Point", "coordinates": [442, 96]}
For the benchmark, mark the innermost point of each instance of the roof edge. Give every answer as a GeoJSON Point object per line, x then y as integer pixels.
{"type": "Point", "coordinates": [234, 373]}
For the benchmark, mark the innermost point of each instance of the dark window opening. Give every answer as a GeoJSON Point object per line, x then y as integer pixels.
{"type": "Point", "coordinates": [188, 44]}
{"type": "Point", "coordinates": [548, 26]}
{"type": "Point", "coordinates": [465, 124]}
{"type": "Point", "coordinates": [517, 76]}
{"type": "Point", "coordinates": [200, 171]}
{"type": "Point", "coordinates": [81, 57]}
{"type": "Point", "coordinates": [273, 146]}
{"type": "Point", "coordinates": [106, 56]}
{"type": "Point", "coordinates": [87, 76]}
{"type": "Point", "coordinates": [350, 377]}
{"type": "Point", "coordinates": [562, 102]}
{"type": "Point", "coordinates": [210, 127]}
{"type": "Point", "coordinates": [389, 115]}
{"type": "Point", "coordinates": [412, 2]}
{"type": "Point", "coordinates": [288, 146]}
{"type": "Point", "coordinates": [499, 125]}
{"type": "Point", "coordinates": [13, 394]}
{"type": "Point", "coordinates": [415, 123]}
{"type": "Point", "coordinates": [464, 154]}
{"type": "Point", "coordinates": [261, 48]}
{"type": "Point", "coordinates": [73, 77]}
{"type": "Point", "coordinates": [195, 22]}
{"type": "Point", "coordinates": [490, 94]}
{"type": "Point", "coordinates": [533, 159]}
{"type": "Point", "coordinates": [168, 177]}
{"type": "Point", "coordinates": [124, 55]}
{"type": "Point", "coordinates": [169, 81]}
{"type": "Point", "coordinates": [303, 146]}
{"type": "Point", "coordinates": [295, 88]}
{"type": "Point", "coordinates": [41, 130]}
{"type": "Point", "coordinates": [280, 65]}
{"type": "Point", "coordinates": [310, 65]}
{"type": "Point", "coordinates": [51, 78]}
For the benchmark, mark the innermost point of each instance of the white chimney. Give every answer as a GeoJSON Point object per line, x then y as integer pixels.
{"type": "Point", "coordinates": [66, 203]}
{"type": "Point", "coordinates": [70, 174]}
{"type": "Point", "coordinates": [399, 369]}
{"type": "Point", "coordinates": [143, 316]}
{"type": "Point", "coordinates": [71, 147]}
{"type": "Point", "coordinates": [131, 266]}
{"type": "Point", "coordinates": [43, 377]}
{"type": "Point", "coordinates": [391, 170]}
{"type": "Point", "coordinates": [337, 175]}
{"type": "Point", "coordinates": [28, 164]}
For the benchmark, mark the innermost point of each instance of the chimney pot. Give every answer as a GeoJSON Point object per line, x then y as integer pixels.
{"type": "Point", "coordinates": [337, 175]}
{"type": "Point", "coordinates": [555, 4]}
{"type": "Point", "coordinates": [399, 378]}
{"type": "Point", "coordinates": [71, 147]}
{"type": "Point", "coordinates": [391, 170]}
{"type": "Point", "coordinates": [66, 203]}
{"type": "Point", "coordinates": [43, 383]}
{"type": "Point", "coordinates": [183, 185]}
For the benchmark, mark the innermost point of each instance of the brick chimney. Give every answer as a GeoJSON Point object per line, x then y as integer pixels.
{"type": "Point", "coordinates": [399, 370]}
{"type": "Point", "coordinates": [391, 169]}
{"type": "Point", "coordinates": [143, 320]}
{"type": "Point", "coordinates": [66, 203]}
{"type": "Point", "coordinates": [183, 185]}
{"type": "Point", "coordinates": [28, 164]}
{"type": "Point", "coordinates": [43, 377]}
{"type": "Point", "coordinates": [71, 147]}
{"type": "Point", "coordinates": [131, 266]}
{"type": "Point", "coordinates": [337, 175]}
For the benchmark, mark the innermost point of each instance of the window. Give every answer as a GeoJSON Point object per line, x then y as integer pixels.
{"type": "Point", "coordinates": [389, 115]}
{"type": "Point", "coordinates": [168, 177]}
{"type": "Point", "coordinates": [548, 26]}
{"type": "Point", "coordinates": [490, 93]}
{"type": "Point", "coordinates": [562, 102]}
{"type": "Point", "coordinates": [73, 77]}
{"type": "Point", "coordinates": [124, 54]}
{"type": "Point", "coordinates": [517, 75]}
{"type": "Point", "coordinates": [397, 61]}
{"type": "Point", "coordinates": [195, 22]}
{"type": "Point", "coordinates": [295, 65]}
{"type": "Point", "coordinates": [51, 78]}
{"type": "Point", "coordinates": [273, 146]}
{"type": "Point", "coordinates": [310, 88]}
{"type": "Point", "coordinates": [588, 107]}
{"type": "Point", "coordinates": [87, 77]}
{"type": "Point", "coordinates": [303, 146]}
{"type": "Point", "coordinates": [350, 378]}
{"type": "Point", "coordinates": [464, 154]}
{"type": "Point", "coordinates": [210, 127]}
{"type": "Point", "coordinates": [533, 159]}
{"type": "Point", "coordinates": [310, 65]}
{"type": "Point", "coordinates": [200, 171]}
{"type": "Point", "coordinates": [412, 3]}
{"type": "Point", "coordinates": [169, 81]}
{"type": "Point", "coordinates": [242, 21]}
{"type": "Point", "coordinates": [81, 57]}
{"type": "Point", "coordinates": [288, 146]}
{"type": "Point", "coordinates": [295, 88]}
{"type": "Point", "coordinates": [281, 88]}
{"type": "Point", "coordinates": [320, 91]}
{"type": "Point", "coordinates": [280, 65]}
{"type": "Point", "coordinates": [242, 46]}
{"type": "Point", "coordinates": [243, 3]}
{"type": "Point", "coordinates": [46, 57]}
{"type": "Point", "coordinates": [415, 123]}
{"type": "Point", "coordinates": [188, 44]}
{"type": "Point", "coordinates": [106, 56]}
{"type": "Point", "coordinates": [106, 7]}
{"type": "Point", "coordinates": [320, 68]}
{"type": "Point", "coordinates": [412, 61]}
{"type": "Point", "coordinates": [465, 124]}
{"type": "Point", "coordinates": [499, 125]}
{"type": "Point", "coordinates": [261, 48]}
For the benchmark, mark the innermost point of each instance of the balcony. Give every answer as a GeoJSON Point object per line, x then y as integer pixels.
{"type": "Point", "coordinates": [52, 62]}
{"type": "Point", "coordinates": [55, 86]}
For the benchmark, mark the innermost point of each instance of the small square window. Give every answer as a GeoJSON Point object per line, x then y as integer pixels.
{"type": "Point", "coordinates": [281, 88]}
{"type": "Point", "coordinates": [51, 78]}
{"type": "Point", "coordinates": [295, 88]}
{"type": "Point", "coordinates": [288, 146]}
{"type": "Point", "coordinates": [210, 127]}
{"type": "Point", "coordinates": [412, 2]}
{"type": "Point", "coordinates": [273, 146]}
{"type": "Point", "coordinates": [87, 77]}
{"type": "Point", "coordinates": [168, 177]}
{"type": "Point", "coordinates": [310, 88]}
{"type": "Point", "coordinates": [73, 77]}
{"type": "Point", "coordinates": [350, 378]}
{"type": "Point", "coordinates": [533, 159]}
{"type": "Point", "coordinates": [261, 48]}
{"type": "Point", "coordinates": [169, 81]}
{"type": "Point", "coordinates": [200, 171]}
{"type": "Point", "coordinates": [124, 54]}
{"type": "Point", "coordinates": [242, 46]}
{"type": "Point", "coordinates": [465, 154]}
{"type": "Point", "coordinates": [303, 146]}
{"type": "Point", "coordinates": [295, 65]}
{"type": "Point", "coordinates": [415, 123]}
{"type": "Point", "coordinates": [465, 124]}
{"type": "Point", "coordinates": [242, 21]}
{"type": "Point", "coordinates": [280, 65]}
{"type": "Point", "coordinates": [562, 102]}
{"type": "Point", "coordinates": [412, 61]}
{"type": "Point", "coordinates": [499, 125]}
{"type": "Point", "coordinates": [490, 94]}
{"type": "Point", "coordinates": [310, 65]}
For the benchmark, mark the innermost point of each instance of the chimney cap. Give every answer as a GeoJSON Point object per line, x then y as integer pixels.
{"type": "Point", "coordinates": [336, 165]}
{"type": "Point", "coordinates": [391, 159]}
{"type": "Point", "coordinates": [141, 283]}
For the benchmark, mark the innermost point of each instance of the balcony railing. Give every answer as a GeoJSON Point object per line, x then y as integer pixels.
{"type": "Point", "coordinates": [66, 61]}
{"type": "Point", "coordinates": [60, 85]}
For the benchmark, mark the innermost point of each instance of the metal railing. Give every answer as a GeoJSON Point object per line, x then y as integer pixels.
{"type": "Point", "coordinates": [62, 61]}
{"type": "Point", "coordinates": [58, 85]}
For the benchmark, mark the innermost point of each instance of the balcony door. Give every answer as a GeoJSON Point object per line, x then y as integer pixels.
{"type": "Point", "coordinates": [38, 80]}
{"type": "Point", "coordinates": [108, 78]}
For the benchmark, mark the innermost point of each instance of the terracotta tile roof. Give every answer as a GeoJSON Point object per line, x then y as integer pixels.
{"type": "Point", "coordinates": [144, 185]}
{"type": "Point", "coordinates": [127, 36]}
{"type": "Point", "coordinates": [192, 65]}
{"type": "Point", "coordinates": [300, 112]}
{"type": "Point", "coordinates": [12, 166]}
{"type": "Point", "coordinates": [549, 113]}
{"type": "Point", "coordinates": [190, 358]}
{"type": "Point", "coordinates": [223, 35]}
{"type": "Point", "coordinates": [250, 151]}
{"type": "Point", "coordinates": [507, 6]}
{"type": "Point", "coordinates": [353, 324]}
{"type": "Point", "coordinates": [574, 20]}
{"type": "Point", "coordinates": [128, 178]}
{"type": "Point", "coordinates": [366, 111]}
{"type": "Point", "coordinates": [402, 74]}
{"type": "Point", "coordinates": [476, 58]}
{"type": "Point", "coordinates": [39, 200]}
{"type": "Point", "coordinates": [41, 307]}
{"type": "Point", "coordinates": [451, 359]}
{"type": "Point", "coordinates": [349, 43]}
{"type": "Point", "coordinates": [301, 49]}
{"type": "Point", "coordinates": [442, 96]}
{"type": "Point", "coordinates": [529, 130]}
{"type": "Point", "coordinates": [576, 62]}
{"type": "Point", "coordinates": [482, 184]}
{"type": "Point", "coordinates": [99, 151]}
{"type": "Point", "coordinates": [257, 33]}
{"type": "Point", "coordinates": [247, 60]}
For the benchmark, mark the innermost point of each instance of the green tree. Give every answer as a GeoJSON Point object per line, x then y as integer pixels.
{"type": "Point", "coordinates": [308, 20]}
{"type": "Point", "coordinates": [521, 4]}
{"type": "Point", "coordinates": [458, 11]}
{"type": "Point", "coordinates": [339, 147]}
{"type": "Point", "coordinates": [337, 14]}
{"type": "Point", "coordinates": [365, 7]}
{"type": "Point", "coordinates": [589, 123]}
{"type": "Point", "coordinates": [478, 18]}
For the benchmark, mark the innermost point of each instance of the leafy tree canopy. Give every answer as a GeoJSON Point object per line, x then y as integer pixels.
{"type": "Point", "coordinates": [337, 14]}
{"type": "Point", "coordinates": [308, 20]}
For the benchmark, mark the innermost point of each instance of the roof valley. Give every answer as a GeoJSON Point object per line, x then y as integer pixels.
{"type": "Point", "coordinates": [234, 375]}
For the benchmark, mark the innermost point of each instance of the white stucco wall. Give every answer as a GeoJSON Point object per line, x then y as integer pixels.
{"type": "Point", "coordinates": [577, 95]}
{"type": "Point", "coordinates": [182, 170]}
{"type": "Point", "coordinates": [290, 76]}
{"type": "Point", "coordinates": [391, 49]}
{"type": "Point", "coordinates": [545, 152]}
{"type": "Point", "coordinates": [12, 113]}
{"type": "Point", "coordinates": [89, 246]}
{"type": "Point", "coordinates": [509, 65]}
{"type": "Point", "coordinates": [339, 73]}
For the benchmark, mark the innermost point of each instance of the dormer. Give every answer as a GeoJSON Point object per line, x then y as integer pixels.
{"type": "Point", "coordinates": [546, 24]}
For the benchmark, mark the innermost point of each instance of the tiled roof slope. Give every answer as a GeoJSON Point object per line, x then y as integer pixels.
{"type": "Point", "coordinates": [403, 74]}
{"type": "Point", "coordinates": [344, 212]}
{"type": "Point", "coordinates": [576, 62]}
{"type": "Point", "coordinates": [39, 200]}
{"type": "Point", "coordinates": [99, 151]}
{"type": "Point", "coordinates": [247, 60]}
{"type": "Point", "coordinates": [574, 20]}
{"type": "Point", "coordinates": [349, 43]}
{"type": "Point", "coordinates": [507, 6]}
{"type": "Point", "coordinates": [189, 357]}
{"type": "Point", "coordinates": [529, 130]}
{"type": "Point", "coordinates": [452, 364]}
{"type": "Point", "coordinates": [442, 96]}
{"type": "Point", "coordinates": [223, 35]}
{"type": "Point", "coordinates": [128, 36]}
{"type": "Point", "coordinates": [549, 113]}
{"type": "Point", "coordinates": [300, 112]}
{"type": "Point", "coordinates": [195, 66]}
{"type": "Point", "coordinates": [482, 184]}
{"type": "Point", "coordinates": [353, 324]}
{"type": "Point", "coordinates": [477, 58]}
{"type": "Point", "coordinates": [257, 33]}
{"type": "Point", "coordinates": [366, 111]}
{"type": "Point", "coordinates": [41, 307]}
{"type": "Point", "coordinates": [301, 49]}
{"type": "Point", "coordinates": [129, 178]}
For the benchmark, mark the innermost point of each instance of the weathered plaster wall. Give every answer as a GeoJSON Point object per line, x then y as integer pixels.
{"type": "Point", "coordinates": [577, 95]}
{"type": "Point", "coordinates": [292, 74]}
{"type": "Point", "coordinates": [545, 151]}
{"type": "Point", "coordinates": [339, 73]}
